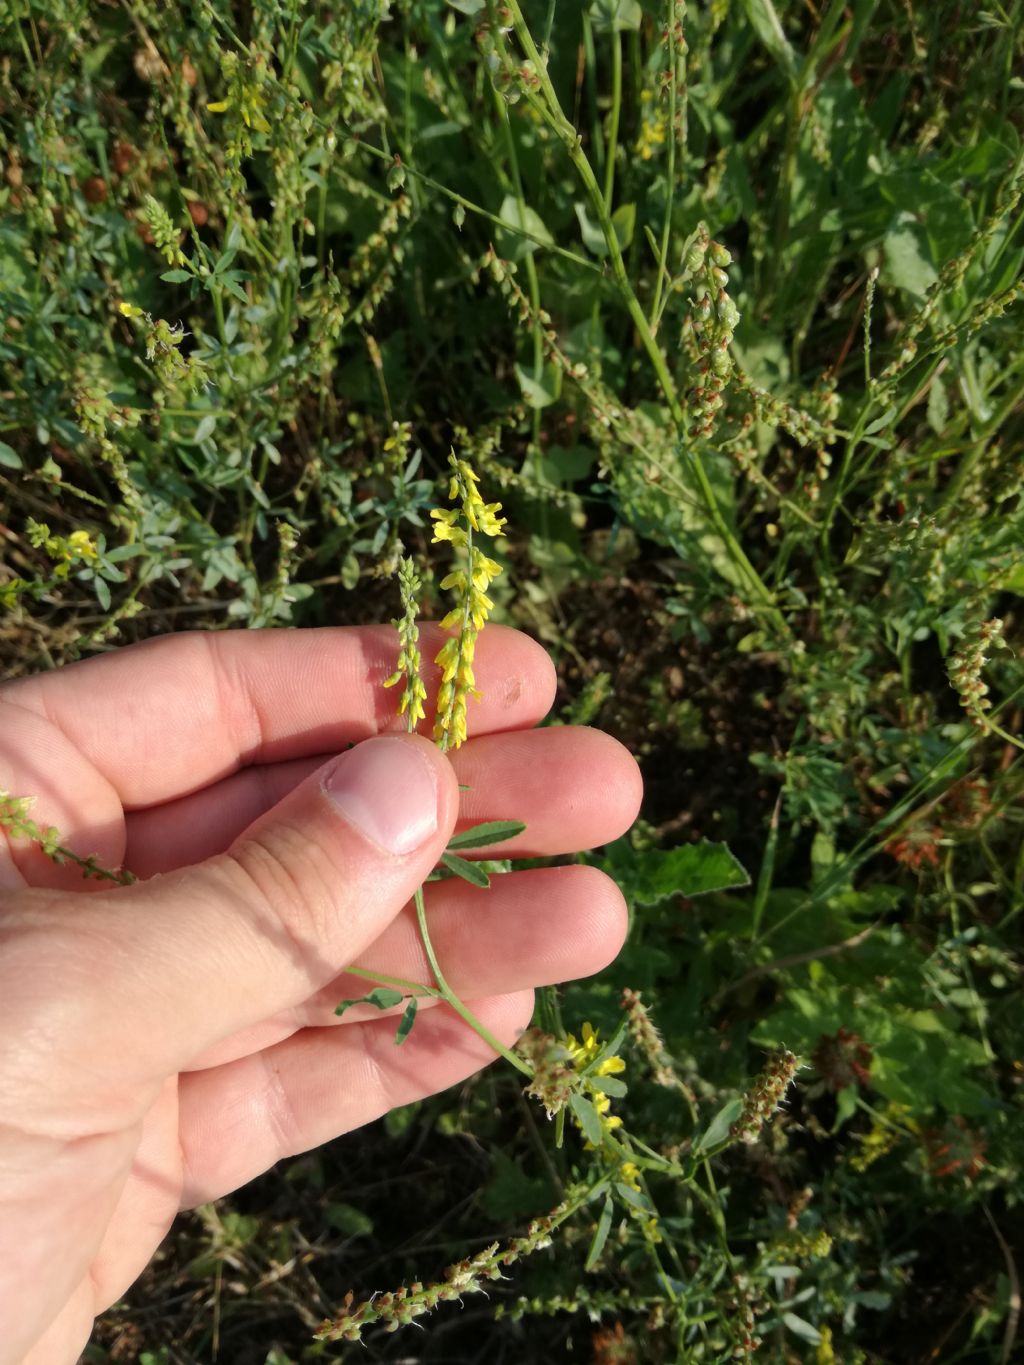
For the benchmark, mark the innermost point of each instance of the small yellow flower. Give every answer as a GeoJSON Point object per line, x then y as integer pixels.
{"type": "Point", "coordinates": [629, 1174]}
{"type": "Point", "coordinates": [80, 545]}
{"type": "Point", "coordinates": [129, 310]}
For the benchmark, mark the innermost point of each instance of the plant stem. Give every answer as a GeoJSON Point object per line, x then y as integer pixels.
{"type": "Point", "coordinates": [450, 998]}
{"type": "Point", "coordinates": [613, 122]}
{"type": "Point", "coordinates": [675, 66]}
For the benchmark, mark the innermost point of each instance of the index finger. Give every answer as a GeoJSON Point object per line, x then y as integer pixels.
{"type": "Point", "coordinates": [161, 719]}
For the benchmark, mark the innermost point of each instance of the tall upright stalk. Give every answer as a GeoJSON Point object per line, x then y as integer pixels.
{"type": "Point", "coordinates": [550, 109]}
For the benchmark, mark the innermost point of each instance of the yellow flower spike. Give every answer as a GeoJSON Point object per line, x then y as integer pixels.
{"type": "Point", "coordinates": [468, 582]}
{"type": "Point", "coordinates": [409, 659]}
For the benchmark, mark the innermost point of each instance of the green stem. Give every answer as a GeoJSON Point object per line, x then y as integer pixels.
{"type": "Point", "coordinates": [481, 212]}
{"type": "Point", "coordinates": [670, 173]}
{"type": "Point", "coordinates": [450, 998]}
{"type": "Point", "coordinates": [613, 121]}
{"type": "Point", "coordinates": [533, 283]}
{"type": "Point", "coordinates": [400, 983]}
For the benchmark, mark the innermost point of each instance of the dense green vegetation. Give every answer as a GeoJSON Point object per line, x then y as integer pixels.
{"type": "Point", "coordinates": [723, 301]}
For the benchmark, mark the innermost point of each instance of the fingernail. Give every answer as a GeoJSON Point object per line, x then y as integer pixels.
{"type": "Point", "coordinates": [386, 790]}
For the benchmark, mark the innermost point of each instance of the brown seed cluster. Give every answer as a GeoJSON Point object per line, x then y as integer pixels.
{"type": "Point", "coordinates": [765, 1096]}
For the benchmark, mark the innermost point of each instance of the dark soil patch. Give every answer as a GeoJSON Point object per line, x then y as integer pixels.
{"type": "Point", "coordinates": [691, 712]}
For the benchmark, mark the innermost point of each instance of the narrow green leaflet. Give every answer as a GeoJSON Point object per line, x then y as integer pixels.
{"type": "Point", "coordinates": [802, 1329]}
{"type": "Point", "coordinates": [609, 1085]}
{"type": "Point", "coordinates": [489, 832]}
{"type": "Point", "coordinates": [718, 1129]}
{"type": "Point", "coordinates": [604, 1226]}
{"type": "Point", "coordinates": [588, 1119]}
{"type": "Point", "coordinates": [406, 1022]}
{"type": "Point", "coordinates": [469, 872]}
{"type": "Point", "coordinates": [631, 1196]}
{"type": "Point", "coordinates": [382, 996]}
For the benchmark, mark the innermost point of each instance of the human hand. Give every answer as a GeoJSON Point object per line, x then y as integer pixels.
{"type": "Point", "coordinates": [163, 1043]}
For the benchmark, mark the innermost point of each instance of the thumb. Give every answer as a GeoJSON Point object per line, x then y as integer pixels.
{"type": "Point", "coordinates": [146, 977]}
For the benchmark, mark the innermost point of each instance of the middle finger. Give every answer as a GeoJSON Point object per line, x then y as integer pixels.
{"type": "Point", "coordinates": [574, 788]}
{"type": "Point", "coordinates": [532, 928]}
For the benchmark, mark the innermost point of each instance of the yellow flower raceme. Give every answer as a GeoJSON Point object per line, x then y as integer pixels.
{"type": "Point", "coordinates": [409, 660]}
{"type": "Point", "coordinates": [468, 583]}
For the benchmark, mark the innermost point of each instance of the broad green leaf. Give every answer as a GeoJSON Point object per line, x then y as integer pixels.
{"type": "Point", "coordinates": [348, 1220]}
{"type": "Point", "coordinates": [204, 429]}
{"type": "Point", "coordinates": [511, 241]}
{"type": "Point", "coordinates": [469, 872]}
{"type": "Point", "coordinates": [487, 833]}
{"type": "Point", "coordinates": [846, 1106]}
{"type": "Point", "coordinates": [540, 393]}
{"type": "Point", "coordinates": [623, 222]}
{"type": "Point", "coordinates": [615, 16]}
{"type": "Point", "coordinates": [593, 237]}
{"type": "Point", "coordinates": [176, 276]}
{"type": "Point", "coordinates": [470, 7]}
{"type": "Point", "coordinates": [906, 258]}
{"type": "Point", "coordinates": [718, 1129]}
{"type": "Point", "coordinates": [10, 459]}
{"type": "Point", "coordinates": [383, 997]}
{"type": "Point", "coordinates": [655, 874]}
{"type": "Point", "coordinates": [406, 1022]}
{"type": "Point", "coordinates": [604, 1226]}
